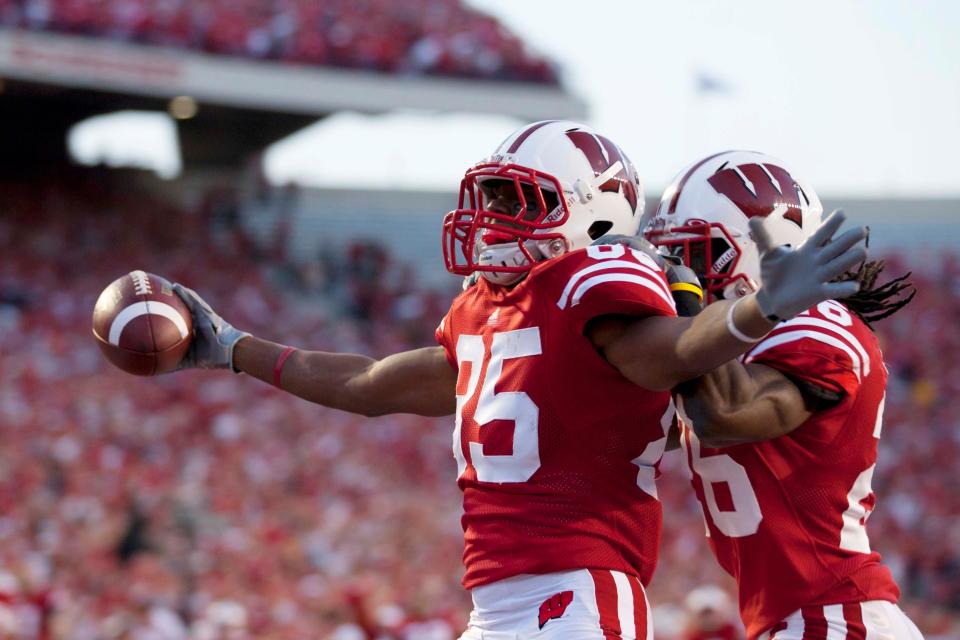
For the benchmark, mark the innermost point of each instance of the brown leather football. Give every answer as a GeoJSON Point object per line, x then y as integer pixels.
{"type": "Point", "coordinates": [141, 325]}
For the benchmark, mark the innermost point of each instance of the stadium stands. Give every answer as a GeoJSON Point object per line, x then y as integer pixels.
{"type": "Point", "coordinates": [417, 37]}
{"type": "Point", "coordinates": [201, 505]}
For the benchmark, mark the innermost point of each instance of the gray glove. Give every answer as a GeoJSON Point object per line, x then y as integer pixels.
{"type": "Point", "coordinates": [793, 280]}
{"type": "Point", "coordinates": [213, 338]}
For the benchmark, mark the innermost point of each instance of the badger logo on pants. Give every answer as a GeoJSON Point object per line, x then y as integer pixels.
{"type": "Point", "coordinates": [554, 606]}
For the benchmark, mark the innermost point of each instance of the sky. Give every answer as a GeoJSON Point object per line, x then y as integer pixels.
{"type": "Point", "coordinates": [860, 97]}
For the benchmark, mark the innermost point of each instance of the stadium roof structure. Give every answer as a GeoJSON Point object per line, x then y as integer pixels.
{"type": "Point", "coordinates": [52, 81]}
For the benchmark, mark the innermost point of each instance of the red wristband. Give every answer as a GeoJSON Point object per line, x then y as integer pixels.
{"type": "Point", "coordinates": [278, 367]}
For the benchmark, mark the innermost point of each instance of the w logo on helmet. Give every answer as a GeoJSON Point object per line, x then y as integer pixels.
{"type": "Point", "coordinates": [760, 189]}
{"type": "Point", "coordinates": [602, 154]}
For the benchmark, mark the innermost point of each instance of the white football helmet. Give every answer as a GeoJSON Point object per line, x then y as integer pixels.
{"type": "Point", "coordinates": [702, 217]}
{"type": "Point", "coordinates": [570, 186]}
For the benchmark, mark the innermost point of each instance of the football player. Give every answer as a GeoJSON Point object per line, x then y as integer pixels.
{"type": "Point", "coordinates": [555, 445]}
{"type": "Point", "coordinates": [782, 443]}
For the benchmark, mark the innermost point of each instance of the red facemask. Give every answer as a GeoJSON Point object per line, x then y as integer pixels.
{"type": "Point", "coordinates": [712, 256]}
{"type": "Point", "coordinates": [535, 210]}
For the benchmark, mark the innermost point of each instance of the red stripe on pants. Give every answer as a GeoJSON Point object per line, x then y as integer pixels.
{"type": "Point", "coordinates": [639, 607]}
{"type": "Point", "coordinates": [607, 603]}
{"type": "Point", "coordinates": [856, 630]}
{"type": "Point", "coordinates": [814, 623]}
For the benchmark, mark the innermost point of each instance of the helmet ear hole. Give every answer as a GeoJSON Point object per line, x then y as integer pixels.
{"type": "Point", "coordinates": [599, 228]}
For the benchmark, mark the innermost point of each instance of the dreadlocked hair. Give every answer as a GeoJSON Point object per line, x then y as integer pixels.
{"type": "Point", "coordinates": [872, 303]}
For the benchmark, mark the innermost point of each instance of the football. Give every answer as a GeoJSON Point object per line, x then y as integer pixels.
{"type": "Point", "coordinates": [141, 325]}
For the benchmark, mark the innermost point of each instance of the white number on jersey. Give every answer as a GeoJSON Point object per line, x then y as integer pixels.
{"type": "Point", "coordinates": [647, 461]}
{"type": "Point", "coordinates": [515, 406]}
{"type": "Point", "coordinates": [745, 518]}
{"type": "Point", "coordinates": [833, 311]}
{"type": "Point", "coordinates": [853, 536]}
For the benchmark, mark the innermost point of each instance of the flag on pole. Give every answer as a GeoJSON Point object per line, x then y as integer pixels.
{"type": "Point", "coordinates": [710, 84]}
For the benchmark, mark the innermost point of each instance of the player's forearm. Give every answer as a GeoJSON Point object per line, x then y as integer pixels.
{"type": "Point", "coordinates": [734, 404]}
{"type": "Point", "coordinates": [718, 404]}
{"type": "Point", "coordinates": [708, 341]}
{"type": "Point", "coordinates": [329, 379]}
{"type": "Point", "coordinates": [419, 381]}
{"type": "Point", "coordinates": [660, 353]}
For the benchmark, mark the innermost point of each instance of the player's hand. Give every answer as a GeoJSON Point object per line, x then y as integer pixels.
{"type": "Point", "coordinates": [213, 337]}
{"type": "Point", "coordinates": [796, 279]}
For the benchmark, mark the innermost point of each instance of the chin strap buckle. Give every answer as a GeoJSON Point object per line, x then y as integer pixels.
{"type": "Point", "coordinates": [584, 191]}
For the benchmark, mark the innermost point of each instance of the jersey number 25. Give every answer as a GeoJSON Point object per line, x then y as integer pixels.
{"type": "Point", "coordinates": [514, 406]}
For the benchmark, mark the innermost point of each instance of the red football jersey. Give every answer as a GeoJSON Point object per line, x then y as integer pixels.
{"type": "Point", "coordinates": [556, 450]}
{"type": "Point", "coordinates": [787, 517]}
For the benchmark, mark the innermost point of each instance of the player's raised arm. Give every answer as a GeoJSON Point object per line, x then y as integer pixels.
{"type": "Point", "coordinates": [419, 381]}
{"type": "Point", "coordinates": [660, 352]}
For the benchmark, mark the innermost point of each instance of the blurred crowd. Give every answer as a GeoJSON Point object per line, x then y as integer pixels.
{"type": "Point", "coordinates": [205, 506]}
{"type": "Point", "coordinates": [416, 37]}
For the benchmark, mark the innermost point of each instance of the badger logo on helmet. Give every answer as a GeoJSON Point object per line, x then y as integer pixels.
{"type": "Point", "coordinates": [549, 188]}
{"type": "Point", "coordinates": [703, 217]}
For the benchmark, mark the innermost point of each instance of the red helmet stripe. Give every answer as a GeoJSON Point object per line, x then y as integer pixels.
{"type": "Point", "coordinates": [601, 153]}
{"type": "Point", "coordinates": [627, 176]}
{"type": "Point", "coordinates": [590, 146]}
{"type": "Point", "coordinates": [526, 133]}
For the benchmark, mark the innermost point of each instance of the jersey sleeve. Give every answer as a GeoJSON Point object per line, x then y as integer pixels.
{"type": "Point", "coordinates": [610, 280]}
{"type": "Point", "coordinates": [815, 351]}
{"type": "Point", "coordinates": [444, 337]}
